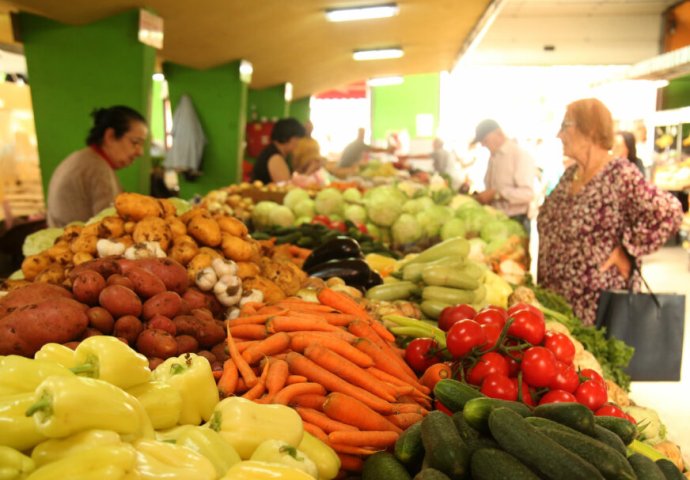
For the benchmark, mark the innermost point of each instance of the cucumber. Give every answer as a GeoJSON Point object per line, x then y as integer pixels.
{"type": "Point", "coordinates": [545, 456]}
{"type": "Point", "coordinates": [392, 291]}
{"type": "Point", "coordinates": [384, 465]}
{"type": "Point", "coordinates": [408, 448]}
{"type": "Point", "coordinates": [472, 438]}
{"type": "Point", "coordinates": [454, 394]}
{"type": "Point", "coordinates": [541, 422]}
{"type": "Point", "coordinates": [669, 469]}
{"type": "Point", "coordinates": [431, 474]}
{"type": "Point", "coordinates": [477, 410]}
{"type": "Point", "coordinates": [611, 464]}
{"type": "Point", "coordinates": [626, 430]}
{"type": "Point", "coordinates": [611, 439]}
{"type": "Point", "coordinates": [574, 415]}
{"type": "Point", "coordinates": [645, 468]}
{"type": "Point", "coordinates": [432, 309]}
{"type": "Point", "coordinates": [452, 296]}
{"type": "Point", "coordinates": [449, 276]}
{"type": "Point", "coordinates": [445, 450]}
{"type": "Point", "coordinates": [493, 464]}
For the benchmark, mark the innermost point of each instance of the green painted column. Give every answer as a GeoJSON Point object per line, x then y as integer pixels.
{"type": "Point", "coordinates": [268, 103]}
{"type": "Point", "coordinates": [220, 100]}
{"type": "Point", "coordinates": [76, 69]}
{"type": "Point", "coordinates": [300, 109]}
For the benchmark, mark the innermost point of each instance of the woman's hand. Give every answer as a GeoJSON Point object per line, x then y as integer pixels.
{"type": "Point", "coordinates": [620, 260]}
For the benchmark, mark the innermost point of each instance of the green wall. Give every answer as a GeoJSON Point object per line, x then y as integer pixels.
{"type": "Point", "coordinates": [268, 102]}
{"type": "Point", "coordinates": [157, 112]}
{"type": "Point", "coordinates": [395, 107]}
{"type": "Point", "coordinates": [219, 98]}
{"type": "Point", "coordinates": [300, 109]}
{"type": "Point", "coordinates": [676, 94]}
{"type": "Point", "coordinates": [75, 69]}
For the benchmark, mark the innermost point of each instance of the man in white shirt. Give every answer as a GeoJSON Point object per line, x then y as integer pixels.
{"type": "Point", "coordinates": [509, 179]}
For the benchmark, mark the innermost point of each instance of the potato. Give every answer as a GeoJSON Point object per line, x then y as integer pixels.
{"type": "Point", "coordinates": [81, 257]}
{"type": "Point", "coordinates": [247, 269]}
{"type": "Point", "coordinates": [60, 254]}
{"type": "Point", "coordinates": [220, 351]}
{"type": "Point", "coordinates": [125, 240]}
{"type": "Point", "coordinates": [205, 230]}
{"type": "Point", "coordinates": [101, 319]}
{"type": "Point", "coordinates": [134, 206]}
{"type": "Point", "coordinates": [85, 243]}
{"type": "Point", "coordinates": [168, 208]}
{"type": "Point", "coordinates": [90, 332]}
{"type": "Point", "coordinates": [129, 227]}
{"type": "Point", "coordinates": [194, 212]}
{"type": "Point", "coordinates": [35, 264]}
{"type": "Point", "coordinates": [195, 298]}
{"type": "Point", "coordinates": [232, 225]}
{"type": "Point", "coordinates": [236, 248]}
{"type": "Point", "coordinates": [154, 362]}
{"type": "Point", "coordinates": [72, 345]}
{"type": "Point", "coordinates": [104, 266]}
{"type": "Point", "coordinates": [157, 343]}
{"type": "Point", "coordinates": [177, 228]}
{"type": "Point", "coordinates": [166, 303]}
{"type": "Point", "coordinates": [30, 294]}
{"type": "Point", "coordinates": [128, 327]}
{"type": "Point", "coordinates": [207, 333]}
{"type": "Point", "coordinates": [153, 229]}
{"type": "Point", "coordinates": [211, 331]}
{"type": "Point", "coordinates": [161, 322]}
{"type": "Point", "coordinates": [145, 283]}
{"type": "Point", "coordinates": [87, 286]}
{"type": "Point", "coordinates": [120, 301]}
{"type": "Point", "coordinates": [111, 227]}
{"type": "Point", "coordinates": [207, 355]}
{"type": "Point", "coordinates": [70, 233]}
{"type": "Point", "coordinates": [90, 229]}
{"type": "Point", "coordinates": [184, 251]}
{"type": "Point", "coordinates": [53, 273]}
{"type": "Point", "coordinates": [173, 274]}
{"type": "Point", "coordinates": [272, 293]}
{"type": "Point", "coordinates": [186, 344]}
{"type": "Point", "coordinates": [118, 279]}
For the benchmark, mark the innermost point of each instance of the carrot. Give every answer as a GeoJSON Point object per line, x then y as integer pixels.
{"type": "Point", "coordinates": [404, 420]}
{"type": "Point", "coordinates": [334, 318]}
{"type": "Point", "coordinates": [322, 421]}
{"type": "Point", "coordinates": [301, 340]}
{"type": "Point", "coordinates": [217, 374]}
{"type": "Point", "coordinates": [259, 319]}
{"type": "Point", "coordinates": [278, 371]}
{"type": "Point", "coordinates": [296, 324]}
{"type": "Point", "coordinates": [227, 384]}
{"type": "Point", "coordinates": [383, 439]}
{"type": "Point", "coordinates": [409, 408]}
{"type": "Point", "coordinates": [270, 346]}
{"type": "Point", "coordinates": [301, 365]}
{"type": "Point", "coordinates": [385, 361]}
{"type": "Point", "coordinates": [349, 449]}
{"type": "Point", "coordinates": [351, 463]}
{"type": "Point", "coordinates": [241, 386]}
{"type": "Point", "coordinates": [250, 308]}
{"type": "Point", "coordinates": [342, 302]}
{"type": "Point", "coordinates": [383, 332]}
{"type": "Point", "coordinates": [393, 380]}
{"type": "Point", "coordinates": [362, 329]}
{"type": "Point", "coordinates": [434, 374]}
{"type": "Point", "coordinates": [242, 345]}
{"type": "Point", "coordinates": [252, 332]}
{"type": "Point", "coordinates": [271, 310]}
{"type": "Point", "coordinates": [347, 370]}
{"type": "Point", "coordinates": [316, 431]}
{"type": "Point", "coordinates": [257, 390]}
{"type": "Point", "coordinates": [285, 396]}
{"type": "Point", "coordinates": [351, 411]}
{"type": "Point", "coordinates": [241, 364]}
{"type": "Point", "coordinates": [292, 379]}
{"type": "Point", "coordinates": [299, 305]}
{"type": "Point", "coordinates": [308, 400]}
{"type": "Point", "coordinates": [298, 252]}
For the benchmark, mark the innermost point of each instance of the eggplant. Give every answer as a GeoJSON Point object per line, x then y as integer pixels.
{"type": "Point", "coordinates": [340, 247]}
{"type": "Point", "coordinates": [373, 280]}
{"type": "Point", "coordinates": [354, 271]}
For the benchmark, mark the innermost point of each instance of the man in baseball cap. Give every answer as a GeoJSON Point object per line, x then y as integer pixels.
{"type": "Point", "coordinates": [484, 128]}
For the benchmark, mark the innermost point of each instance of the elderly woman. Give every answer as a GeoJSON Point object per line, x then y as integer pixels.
{"type": "Point", "coordinates": [601, 213]}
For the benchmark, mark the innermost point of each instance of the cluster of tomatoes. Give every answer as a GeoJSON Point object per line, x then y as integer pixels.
{"type": "Point", "coordinates": [337, 225]}
{"type": "Point", "coordinates": [508, 354]}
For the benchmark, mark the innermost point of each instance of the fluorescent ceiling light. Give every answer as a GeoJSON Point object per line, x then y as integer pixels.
{"type": "Point", "coordinates": [385, 81]}
{"type": "Point", "coordinates": [158, 77]}
{"type": "Point", "coordinates": [246, 71]}
{"type": "Point", "coordinates": [379, 54]}
{"type": "Point", "coordinates": [362, 13]}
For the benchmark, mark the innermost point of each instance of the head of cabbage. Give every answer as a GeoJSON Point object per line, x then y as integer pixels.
{"type": "Point", "coordinates": [329, 201]}
{"type": "Point", "coordinates": [384, 205]}
{"type": "Point", "coordinates": [295, 196]}
{"type": "Point", "coordinates": [406, 230]}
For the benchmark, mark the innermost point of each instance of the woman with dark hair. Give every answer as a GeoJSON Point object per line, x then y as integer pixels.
{"type": "Point", "coordinates": [85, 182]}
{"type": "Point", "coordinates": [624, 147]}
{"type": "Point", "coordinates": [271, 165]}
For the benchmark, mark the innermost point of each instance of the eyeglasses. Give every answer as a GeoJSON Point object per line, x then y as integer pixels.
{"type": "Point", "coordinates": [566, 124]}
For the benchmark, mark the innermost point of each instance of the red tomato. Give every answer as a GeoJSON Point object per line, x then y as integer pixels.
{"type": "Point", "coordinates": [630, 418]}
{"type": "Point", "coordinates": [593, 375]}
{"type": "Point", "coordinates": [499, 386]}
{"type": "Point", "coordinates": [421, 353]}
{"type": "Point", "coordinates": [362, 228]}
{"type": "Point", "coordinates": [514, 363]}
{"type": "Point", "coordinates": [527, 326]}
{"type": "Point", "coordinates": [322, 219]}
{"type": "Point", "coordinates": [611, 410]}
{"type": "Point", "coordinates": [493, 332]}
{"type": "Point", "coordinates": [339, 225]}
{"type": "Point", "coordinates": [488, 363]}
{"type": "Point", "coordinates": [453, 314]}
{"type": "Point", "coordinates": [491, 315]}
{"type": "Point", "coordinates": [463, 336]}
{"type": "Point", "coordinates": [566, 378]}
{"type": "Point", "coordinates": [557, 396]}
{"type": "Point", "coordinates": [591, 394]}
{"type": "Point", "coordinates": [538, 366]}
{"type": "Point", "coordinates": [561, 346]}
{"type": "Point", "coordinates": [526, 394]}
{"type": "Point", "coordinates": [442, 408]}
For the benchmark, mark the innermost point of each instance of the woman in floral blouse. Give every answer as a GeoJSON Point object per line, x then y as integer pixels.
{"type": "Point", "coordinates": [601, 208]}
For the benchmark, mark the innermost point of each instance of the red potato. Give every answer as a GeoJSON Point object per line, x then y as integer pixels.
{"type": "Point", "coordinates": [207, 355]}
{"type": "Point", "coordinates": [154, 362]}
{"type": "Point", "coordinates": [101, 319]}
{"type": "Point", "coordinates": [128, 327]}
{"type": "Point", "coordinates": [87, 286]}
{"type": "Point", "coordinates": [197, 299]}
{"type": "Point", "coordinates": [73, 345]}
{"type": "Point", "coordinates": [105, 266]}
{"type": "Point", "coordinates": [172, 273]}
{"type": "Point", "coordinates": [161, 322]}
{"type": "Point", "coordinates": [90, 332]}
{"type": "Point", "coordinates": [220, 350]}
{"type": "Point", "coordinates": [186, 344]}
{"type": "Point", "coordinates": [117, 279]}
{"type": "Point", "coordinates": [29, 295]}
{"type": "Point", "coordinates": [120, 300]}
{"type": "Point", "coordinates": [145, 283]}
{"type": "Point", "coordinates": [157, 343]}
{"type": "Point", "coordinates": [166, 303]}
{"type": "Point", "coordinates": [205, 329]}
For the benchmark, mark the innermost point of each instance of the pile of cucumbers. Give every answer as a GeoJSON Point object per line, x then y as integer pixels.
{"type": "Point", "coordinates": [491, 439]}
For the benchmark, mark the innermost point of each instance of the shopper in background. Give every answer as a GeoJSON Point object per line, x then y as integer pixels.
{"type": "Point", "coordinates": [601, 216]}
{"type": "Point", "coordinates": [624, 147]}
{"type": "Point", "coordinates": [510, 175]}
{"type": "Point", "coordinates": [306, 158]}
{"type": "Point", "coordinates": [271, 165]}
{"type": "Point", "coordinates": [354, 152]}
{"type": "Point", "coordinates": [85, 182]}
{"type": "Point", "coordinates": [442, 159]}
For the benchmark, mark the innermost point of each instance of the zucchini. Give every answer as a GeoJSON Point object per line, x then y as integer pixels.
{"type": "Point", "coordinates": [454, 394]}
{"type": "Point", "coordinates": [611, 464]}
{"type": "Point", "coordinates": [457, 247]}
{"type": "Point", "coordinates": [408, 448]}
{"type": "Point", "coordinates": [392, 291]}
{"type": "Point", "coordinates": [432, 309]}
{"type": "Point", "coordinates": [413, 272]}
{"type": "Point", "coordinates": [384, 465]}
{"type": "Point", "coordinates": [541, 454]}
{"type": "Point", "coordinates": [445, 450]}
{"type": "Point", "coordinates": [625, 429]}
{"type": "Point", "coordinates": [477, 410]}
{"type": "Point", "coordinates": [645, 468]}
{"type": "Point", "coordinates": [472, 438]}
{"type": "Point", "coordinates": [431, 474]}
{"type": "Point", "coordinates": [452, 296]}
{"type": "Point", "coordinates": [449, 276]}
{"type": "Point", "coordinates": [611, 439]}
{"type": "Point", "coordinates": [575, 415]}
{"type": "Point", "coordinates": [493, 464]}
{"type": "Point", "coordinates": [669, 469]}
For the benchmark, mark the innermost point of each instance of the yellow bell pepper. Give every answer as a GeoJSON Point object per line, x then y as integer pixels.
{"type": "Point", "coordinates": [67, 405]}
{"type": "Point", "coordinates": [58, 448]}
{"type": "Point", "coordinates": [107, 462]}
{"type": "Point", "coordinates": [14, 465]}
{"type": "Point", "coordinates": [109, 359]}
{"type": "Point", "coordinates": [277, 451]}
{"type": "Point", "coordinates": [162, 402]}
{"type": "Point", "coordinates": [192, 376]}
{"type": "Point", "coordinates": [211, 445]}
{"type": "Point", "coordinates": [245, 424]}
{"type": "Point", "coordinates": [156, 460]}
{"type": "Point", "coordinates": [16, 429]}
{"type": "Point", "coordinates": [325, 458]}
{"type": "Point", "coordinates": [57, 353]}
{"type": "Point", "coordinates": [253, 470]}
{"type": "Point", "coordinates": [22, 375]}
{"type": "Point", "coordinates": [172, 434]}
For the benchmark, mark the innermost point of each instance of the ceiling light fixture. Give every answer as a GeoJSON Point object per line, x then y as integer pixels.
{"type": "Point", "coordinates": [158, 77]}
{"type": "Point", "coordinates": [385, 81]}
{"type": "Point", "coordinates": [362, 13]}
{"type": "Point", "coordinates": [378, 54]}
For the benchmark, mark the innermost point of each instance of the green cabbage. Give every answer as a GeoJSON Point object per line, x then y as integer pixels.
{"type": "Point", "coordinates": [474, 217]}
{"type": "Point", "coordinates": [384, 205]}
{"type": "Point", "coordinates": [304, 208]}
{"type": "Point", "coordinates": [352, 195]}
{"type": "Point", "coordinates": [355, 214]}
{"type": "Point", "coordinates": [406, 229]}
{"type": "Point", "coordinates": [417, 205]}
{"type": "Point", "coordinates": [329, 201]}
{"type": "Point", "coordinates": [432, 219]}
{"type": "Point", "coordinates": [295, 196]}
{"type": "Point", "coordinates": [39, 241]}
{"type": "Point", "coordinates": [281, 216]}
{"type": "Point", "coordinates": [453, 228]}
{"type": "Point", "coordinates": [261, 214]}
{"type": "Point", "coordinates": [106, 212]}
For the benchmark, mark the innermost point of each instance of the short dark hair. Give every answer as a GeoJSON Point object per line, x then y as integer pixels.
{"type": "Point", "coordinates": [286, 128]}
{"type": "Point", "coordinates": [629, 140]}
{"type": "Point", "coordinates": [118, 117]}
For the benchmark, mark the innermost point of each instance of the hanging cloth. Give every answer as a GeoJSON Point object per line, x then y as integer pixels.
{"type": "Point", "coordinates": [188, 139]}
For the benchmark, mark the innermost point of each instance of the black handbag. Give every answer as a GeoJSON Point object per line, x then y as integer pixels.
{"type": "Point", "coordinates": [652, 324]}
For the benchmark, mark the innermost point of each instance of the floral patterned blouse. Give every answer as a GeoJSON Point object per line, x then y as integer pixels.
{"type": "Point", "coordinates": [578, 231]}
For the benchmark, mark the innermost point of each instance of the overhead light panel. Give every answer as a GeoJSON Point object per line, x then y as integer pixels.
{"type": "Point", "coordinates": [362, 13]}
{"type": "Point", "coordinates": [378, 54]}
{"type": "Point", "coordinates": [385, 81]}
{"type": "Point", "coordinates": [158, 77]}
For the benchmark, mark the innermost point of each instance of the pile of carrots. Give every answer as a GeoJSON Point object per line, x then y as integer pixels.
{"type": "Point", "coordinates": [334, 363]}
